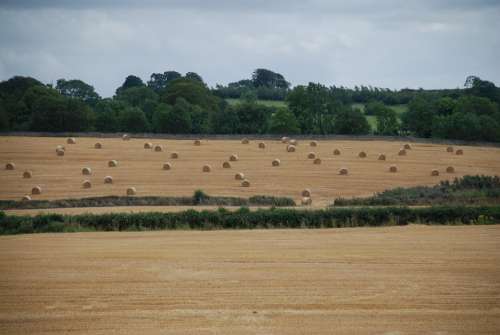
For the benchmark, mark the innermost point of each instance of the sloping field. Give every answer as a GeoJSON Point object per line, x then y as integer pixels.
{"type": "Point", "coordinates": [399, 280]}
{"type": "Point", "coordinates": [61, 177]}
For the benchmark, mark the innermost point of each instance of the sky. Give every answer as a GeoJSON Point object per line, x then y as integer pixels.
{"type": "Point", "coordinates": [383, 43]}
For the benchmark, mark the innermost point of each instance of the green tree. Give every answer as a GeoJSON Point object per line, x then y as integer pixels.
{"type": "Point", "coordinates": [57, 113]}
{"type": "Point", "coordinates": [350, 121]}
{"type": "Point", "coordinates": [4, 118]}
{"type": "Point", "coordinates": [158, 81]}
{"type": "Point", "coordinates": [226, 121]}
{"type": "Point", "coordinates": [194, 76]}
{"type": "Point", "coordinates": [132, 119]}
{"type": "Point", "coordinates": [284, 122]}
{"type": "Point", "coordinates": [77, 89]}
{"type": "Point", "coordinates": [161, 118]}
{"type": "Point", "coordinates": [194, 92]}
{"type": "Point", "coordinates": [419, 117]}
{"type": "Point", "coordinates": [179, 121]}
{"type": "Point", "coordinates": [387, 121]}
{"type": "Point", "coordinates": [130, 81]}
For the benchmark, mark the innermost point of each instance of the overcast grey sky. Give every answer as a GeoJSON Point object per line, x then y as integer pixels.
{"type": "Point", "coordinates": [385, 43]}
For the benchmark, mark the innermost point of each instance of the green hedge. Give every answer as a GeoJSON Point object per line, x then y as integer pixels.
{"type": "Point", "coordinates": [246, 219]}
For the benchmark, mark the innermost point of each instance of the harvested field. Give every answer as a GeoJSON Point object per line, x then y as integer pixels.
{"type": "Point", "coordinates": [60, 176]}
{"type": "Point", "coordinates": [392, 280]}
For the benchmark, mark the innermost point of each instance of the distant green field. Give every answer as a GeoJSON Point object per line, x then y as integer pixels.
{"type": "Point", "coordinates": [270, 103]}
{"type": "Point", "coordinates": [372, 120]}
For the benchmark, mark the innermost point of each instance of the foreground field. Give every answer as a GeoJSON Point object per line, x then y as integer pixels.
{"type": "Point", "coordinates": [61, 177]}
{"type": "Point", "coordinates": [399, 280]}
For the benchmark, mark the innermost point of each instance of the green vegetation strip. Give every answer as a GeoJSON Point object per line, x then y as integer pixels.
{"type": "Point", "coordinates": [246, 219]}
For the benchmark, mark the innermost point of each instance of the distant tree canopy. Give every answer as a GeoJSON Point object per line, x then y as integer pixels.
{"type": "Point", "coordinates": [77, 89]}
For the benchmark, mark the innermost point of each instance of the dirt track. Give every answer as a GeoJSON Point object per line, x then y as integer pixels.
{"type": "Point", "coordinates": [400, 280]}
{"type": "Point", "coordinates": [61, 177]}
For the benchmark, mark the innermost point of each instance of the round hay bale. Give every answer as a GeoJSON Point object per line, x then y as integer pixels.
{"type": "Point", "coordinates": [381, 157]}
{"type": "Point", "coordinates": [317, 161]}
{"type": "Point", "coordinates": [26, 198]}
{"type": "Point", "coordinates": [86, 171]}
{"type": "Point", "coordinates": [393, 168]}
{"type": "Point", "coordinates": [10, 166]}
{"type": "Point", "coordinates": [108, 180]}
{"type": "Point", "coordinates": [313, 143]}
{"type": "Point", "coordinates": [306, 201]}
{"type": "Point", "coordinates": [27, 174]}
{"type": "Point", "coordinates": [343, 171]}
{"type": "Point", "coordinates": [402, 152]}
{"type": "Point", "coordinates": [276, 162]}
{"type": "Point", "coordinates": [262, 145]}
{"type": "Point", "coordinates": [174, 155]}
{"type": "Point", "coordinates": [197, 142]}
{"type": "Point", "coordinates": [311, 155]}
{"type": "Point", "coordinates": [285, 139]}
{"type": "Point", "coordinates": [60, 152]}
{"type": "Point", "coordinates": [36, 190]}
{"type": "Point", "coordinates": [126, 137]}
{"type": "Point", "coordinates": [98, 146]}
{"type": "Point", "coordinates": [207, 168]}
{"type": "Point", "coordinates": [113, 163]}
{"type": "Point", "coordinates": [245, 183]}
{"type": "Point", "coordinates": [245, 141]}
{"type": "Point", "coordinates": [336, 152]}
{"type": "Point", "coordinates": [158, 148]}
{"type": "Point", "coordinates": [459, 152]}
{"type": "Point", "coordinates": [450, 169]}
{"type": "Point", "coordinates": [131, 191]}
{"type": "Point", "coordinates": [290, 148]}
{"type": "Point", "coordinates": [449, 149]}
{"type": "Point", "coordinates": [407, 146]}
{"type": "Point", "coordinates": [239, 176]}
{"type": "Point", "coordinates": [306, 193]}
{"type": "Point", "coordinates": [86, 184]}
{"type": "Point", "coordinates": [60, 147]}
{"type": "Point", "coordinates": [293, 142]}
{"type": "Point", "coordinates": [362, 154]}
{"type": "Point", "coordinates": [167, 166]}
{"type": "Point", "coordinates": [226, 165]}
{"type": "Point", "coordinates": [71, 140]}
{"type": "Point", "coordinates": [434, 172]}
{"type": "Point", "coordinates": [148, 145]}
{"type": "Point", "coordinates": [233, 158]}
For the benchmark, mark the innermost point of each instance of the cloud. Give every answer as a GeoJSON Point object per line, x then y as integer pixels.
{"type": "Point", "coordinates": [383, 43]}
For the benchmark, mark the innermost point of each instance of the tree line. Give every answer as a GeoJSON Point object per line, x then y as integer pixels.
{"type": "Point", "coordinates": [171, 102]}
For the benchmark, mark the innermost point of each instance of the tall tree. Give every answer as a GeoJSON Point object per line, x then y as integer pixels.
{"type": "Point", "coordinates": [77, 89]}
{"type": "Point", "coordinates": [284, 122]}
{"type": "Point", "coordinates": [158, 81]}
{"type": "Point", "coordinates": [130, 81]}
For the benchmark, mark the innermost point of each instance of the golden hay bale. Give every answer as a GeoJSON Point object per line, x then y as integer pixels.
{"type": "Point", "coordinates": [311, 155]}
{"type": "Point", "coordinates": [27, 174]}
{"type": "Point", "coordinates": [148, 145]}
{"type": "Point", "coordinates": [131, 191]}
{"type": "Point", "coordinates": [86, 171]}
{"type": "Point", "coordinates": [402, 152]}
{"type": "Point", "coordinates": [10, 166]}
{"type": "Point", "coordinates": [407, 146]}
{"type": "Point", "coordinates": [306, 192]}
{"type": "Point", "coordinates": [393, 168]}
{"type": "Point", "coordinates": [343, 171]}
{"type": "Point", "coordinates": [126, 137]}
{"type": "Point", "coordinates": [60, 152]}
{"type": "Point", "coordinates": [233, 158]}
{"type": "Point", "coordinates": [245, 141]}
{"type": "Point", "coordinates": [449, 149]}
{"type": "Point", "coordinates": [262, 145]}
{"type": "Point", "coordinates": [317, 161]}
{"type": "Point", "coordinates": [245, 183]}
{"type": "Point", "coordinates": [113, 163]}
{"type": "Point", "coordinates": [207, 168]}
{"type": "Point", "coordinates": [36, 190]}
{"type": "Point", "coordinates": [290, 148]}
{"type": "Point", "coordinates": [285, 139]}
{"type": "Point", "coordinates": [381, 157]}
{"type": "Point", "coordinates": [86, 184]}
{"type": "Point", "coordinates": [26, 198]}
{"type": "Point", "coordinates": [336, 152]}
{"type": "Point", "coordinates": [197, 142]}
{"type": "Point", "coordinates": [293, 142]}
{"type": "Point", "coordinates": [158, 148]}
{"type": "Point", "coordinates": [239, 176]}
{"type": "Point", "coordinates": [167, 166]}
{"type": "Point", "coordinates": [450, 169]}
{"type": "Point", "coordinates": [60, 147]}
{"type": "Point", "coordinates": [362, 154]}
{"type": "Point", "coordinates": [306, 201]}
{"type": "Point", "coordinates": [313, 143]}
{"type": "Point", "coordinates": [174, 155]}
{"type": "Point", "coordinates": [434, 172]}
{"type": "Point", "coordinates": [226, 165]}
{"type": "Point", "coordinates": [71, 140]}
{"type": "Point", "coordinates": [98, 146]}
{"type": "Point", "coordinates": [108, 180]}
{"type": "Point", "coordinates": [459, 152]}
{"type": "Point", "coordinates": [276, 162]}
